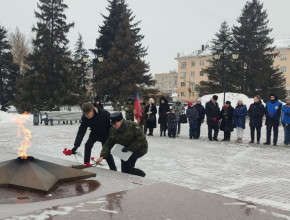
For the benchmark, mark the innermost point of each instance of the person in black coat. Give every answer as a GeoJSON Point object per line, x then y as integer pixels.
{"type": "Point", "coordinates": [212, 112]}
{"type": "Point", "coordinates": [227, 124]}
{"type": "Point", "coordinates": [162, 112]}
{"type": "Point", "coordinates": [201, 114]}
{"type": "Point", "coordinates": [255, 113]}
{"type": "Point", "coordinates": [151, 112]}
{"type": "Point", "coordinates": [98, 103]}
{"type": "Point", "coordinates": [98, 120]}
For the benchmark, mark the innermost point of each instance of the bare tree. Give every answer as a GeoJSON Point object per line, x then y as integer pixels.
{"type": "Point", "coordinates": [20, 47]}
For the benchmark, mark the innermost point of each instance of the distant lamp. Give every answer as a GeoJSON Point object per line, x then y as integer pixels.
{"type": "Point", "coordinates": [85, 58]}
{"type": "Point", "coordinates": [235, 55]}
{"type": "Point", "coordinates": [216, 56]}
{"type": "Point", "coordinates": [100, 58]}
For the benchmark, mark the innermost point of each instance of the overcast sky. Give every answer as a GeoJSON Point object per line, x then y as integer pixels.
{"type": "Point", "coordinates": [169, 26]}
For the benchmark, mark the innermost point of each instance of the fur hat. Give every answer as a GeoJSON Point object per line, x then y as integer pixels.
{"type": "Point", "coordinates": [87, 107]}
{"type": "Point", "coordinates": [228, 103]}
{"type": "Point", "coordinates": [116, 117]}
{"type": "Point", "coordinates": [215, 97]}
{"type": "Point", "coordinates": [151, 101]}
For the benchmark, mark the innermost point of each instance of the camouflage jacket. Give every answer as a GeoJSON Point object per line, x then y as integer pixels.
{"type": "Point", "coordinates": [129, 135]}
{"type": "Point", "coordinates": [130, 111]}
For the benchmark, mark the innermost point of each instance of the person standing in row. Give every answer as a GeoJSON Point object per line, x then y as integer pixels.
{"type": "Point", "coordinates": [273, 114]}
{"type": "Point", "coordinates": [212, 112]}
{"type": "Point", "coordinates": [240, 113]}
{"type": "Point", "coordinates": [192, 115]}
{"type": "Point", "coordinates": [256, 113]}
{"type": "Point", "coordinates": [151, 112]}
{"type": "Point", "coordinates": [285, 119]}
{"type": "Point", "coordinates": [178, 108]}
{"type": "Point", "coordinates": [162, 111]}
{"type": "Point", "coordinates": [201, 114]}
{"type": "Point", "coordinates": [129, 109]}
{"type": "Point", "coordinates": [98, 103]}
{"type": "Point", "coordinates": [172, 124]}
{"type": "Point", "coordinates": [227, 116]}
{"type": "Point", "coordinates": [143, 119]}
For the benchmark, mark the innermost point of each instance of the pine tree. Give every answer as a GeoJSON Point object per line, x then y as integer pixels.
{"type": "Point", "coordinates": [219, 69]}
{"type": "Point", "coordinates": [109, 30]}
{"type": "Point", "coordinates": [80, 67]}
{"type": "Point", "coordinates": [123, 70]}
{"type": "Point", "coordinates": [49, 80]}
{"type": "Point", "coordinates": [252, 40]}
{"type": "Point", "coordinates": [9, 71]}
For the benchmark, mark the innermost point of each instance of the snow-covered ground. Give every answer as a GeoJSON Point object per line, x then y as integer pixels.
{"type": "Point", "coordinates": [253, 173]}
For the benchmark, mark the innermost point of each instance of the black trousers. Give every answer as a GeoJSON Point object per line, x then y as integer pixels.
{"type": "Point", "coordinates": [269, 131]}
{"type": "Point", "coordinates": [163, 127]}
{"type": "Point", "coordinates": [129, 165]}
{"type": "Point", "coordinates": [198, 128]}
{"type": "Point", "coordinates": [216, 131]}
{"type": "Point", "coordinates": [151, 130]}
{"type": "Point", "coordinates": [227, 135]}
{"type": "Point", "coordinates": [253, 133]}
{"type": "Point", "coordinates": [88, 149]}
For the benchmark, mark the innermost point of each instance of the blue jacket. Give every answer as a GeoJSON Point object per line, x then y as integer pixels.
{"type": "Point", "coordinates": [285, 118]}
{"type": "Point", "coordinates": [192, 115]}
{"type": "Point", "coordinates": [240, 113]}
{"type": "Point", "coordinates": [273, 110]}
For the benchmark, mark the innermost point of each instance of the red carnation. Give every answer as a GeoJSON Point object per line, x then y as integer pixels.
{"type": "Point", "coordinates": [92, 158]}
{"type": "Point", "coordinates": [214, 119]}
{"type": "Point", "coordinates": [88, 164]}
{"type": "Point", "coordinates": [68, 153]}
{"type": "Point", "coordinates": [83, 166]}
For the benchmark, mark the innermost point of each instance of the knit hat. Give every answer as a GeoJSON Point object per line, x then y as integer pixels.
{"type": "Point", "coordinates": [151, 100]}
{"type": "Point", "coordinates": [228, 103]}
{"type": "Point", "coordinates": [198, 100]}
{"type": "Point", "coordinates": [87, 107]}
{"type": "Point", "coordinates": [189, 104]}
{"type": "Point", "coordinates": [116, 117]}
{"type": "Point", "coordinates": [273, 94]}
{"type": "Point", "coordinates": [215, 97]}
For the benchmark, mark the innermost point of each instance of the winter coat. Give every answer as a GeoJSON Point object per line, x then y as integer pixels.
{"type": "Point", "coordinates": [99, 125]}
{"type": "Point", "coordinates": [240, 113]}
{"type": "Point", "coordinates": [192, 114]}
{"type": "Point", "coordinates": [171, 120]}
{"type": "Point", "coordinates": [212, 112]}
{"type": "Point", "coordinates": [98, 105]}
{"type": "Point", "coordinates": [129, 135]}
{"type": "Point", "coordinates": [227, 116]}
{"type": "Point", "coordinates": [178, 108]}
{"type": "Point", "coordinates": [151, 124]}
{"type": "Point", "coordinates": [256, 112]}
{"type": "Point", "coordinates": [201, 112]}
{"type": "Point", "coordinates": [273, 112]}
{"type": "Point", "coordinates": [285, 119]}
{"type": "Point", "coordinates": [143, 106]}
{"type": "Point", "coordinates": [130, 111]}
{"type": "Point", "coordinates": [162, 112]}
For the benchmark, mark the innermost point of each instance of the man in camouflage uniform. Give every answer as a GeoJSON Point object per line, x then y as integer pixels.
{"type": "Point", "coordinates": [129, 135]}
{"type": "Point", "coordinates": [143, 119]}
{"type": "Point", "coordinates": [129, 109]}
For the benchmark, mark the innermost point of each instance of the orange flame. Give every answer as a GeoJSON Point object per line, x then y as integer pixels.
{"type": "Point", "coordinates": [26, 142]}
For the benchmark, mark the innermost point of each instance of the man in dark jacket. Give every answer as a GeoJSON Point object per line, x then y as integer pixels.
{"type": "Point", "coordinates": [256, 113]}
{"type": "Point", "coordinates": [162, 111]}
{"type": "Point", "coordinates": [212, 112]}
{"type": "Point", "coordinates": [227, 116]}
{"type": "Point", "coordinates": [98, 103]}
{"type": "Point", "coordinates": [201, 114]}
{"type": "Point", "coordinates": [98, 120]}
{"type": "Point", "coordinates": [192, 115]}
{"type": "Point", "coordinates": [273, 114]}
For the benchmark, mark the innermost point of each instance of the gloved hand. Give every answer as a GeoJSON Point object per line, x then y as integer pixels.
{"type": "Point", "coordinates": [125, 149]}
{"type": "Point", "coordinates": [288, 114]}
{"type": "Point", "coordinates": [126, 109]}
{"type": "Point", "coordinates": [148, 113]}
{"type": "Point", "coordinates": [73, 150]}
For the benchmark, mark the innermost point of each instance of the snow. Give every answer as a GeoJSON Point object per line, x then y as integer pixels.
{"type": "Point", "coordinates": [282, 43]}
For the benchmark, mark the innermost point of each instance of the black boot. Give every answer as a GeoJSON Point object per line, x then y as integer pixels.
{"type": "Point", "coordinates": [164, 133]}
{"type": "Point", "coordinates": [160, 133]}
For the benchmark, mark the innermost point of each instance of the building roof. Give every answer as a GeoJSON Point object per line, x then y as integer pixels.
{"type": "Point", "coordinates": [282, 43]}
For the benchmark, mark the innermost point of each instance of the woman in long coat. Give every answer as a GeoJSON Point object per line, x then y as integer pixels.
{"type": "Point", "coordinates": [151, 112]}
{"type": "Point", "coordinates": [227, 116]}
{"type": "Point", "coordinates": [162, 112]}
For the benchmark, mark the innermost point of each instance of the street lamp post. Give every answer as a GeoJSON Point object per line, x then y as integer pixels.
{"type": "Point", "coordinates": [218, 56]}
{"type": "Point", "coordinates": [98, 59]}
{"type": "Point", "coordinates": [85, 59]}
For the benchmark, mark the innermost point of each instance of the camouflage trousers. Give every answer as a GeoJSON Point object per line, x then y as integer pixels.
{"type": "Point", "coordinates": [143, 124]}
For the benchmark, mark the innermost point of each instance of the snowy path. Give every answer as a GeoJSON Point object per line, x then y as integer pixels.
{"type": "Point", "coordinates": [254, 173]}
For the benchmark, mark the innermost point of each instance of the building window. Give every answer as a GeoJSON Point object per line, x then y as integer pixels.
{"type": "Point", "coordinates": [183, 74]}
{"type": "Point", "coordinates": [192, 63]}
{"type": "Point", "coordinates": [283, 69]}
{"type": "Point", "coordinates": [283, 56]}
{"type": "Point", "coordinates": [182, 94]}
{"type": "Point", "coordinates": [201, 73]}
{"type": "Point", "coordinates": [169, 82]}
{"type": "Point", "coordinates": [192, 94]}
{"type": "Point", "coordinates": [191, 84]}
{"type": "Point", "coordinates": [192, 74]}
{"type": "Point", "coordinates": [183, 64]}
{"type": "Point", "coordinates": [210, 63]}
{"type": "Point", "coordinates": [201, 63]}
{"type": "Point", "coordinates": [182, 84]}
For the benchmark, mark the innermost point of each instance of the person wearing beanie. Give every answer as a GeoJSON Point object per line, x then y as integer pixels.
{"type": "Point", "coordinates": [162, 112]}
{"type": "Point", "coordinates": [201, 113]}
{"type": "Point", "coordinates": [98, 103]}
{"type": "Point", "coordinates": [131, 137]}
{"type": "Point", "coordinates": [227, 116]}
{"type": "Point", "coordinates": [212, 112]}
{"type": "Point", "coordinates": [179, 109]}
{"type": "Point", "coordinates": [143, 119]}
{"type": "Point", "coordinates": [98, 120]}
{"type": "Point", "coordinates": [192, 115]}
{"type": "Point", "coordinates": [151, 112]}
{"type": "Point", "coordinates": [171, 123]}
{"type": "Point", "coordinates": [285, 120]}
{"type": "Point", "coordinates": [240, 114]}
{"type": "Point", "coordinates": [273, 113]}
{"type": "Point", "coordinates": [129, 109]}
{"type": "Point", "coordinates": [256, 112]}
